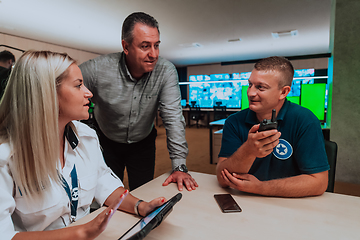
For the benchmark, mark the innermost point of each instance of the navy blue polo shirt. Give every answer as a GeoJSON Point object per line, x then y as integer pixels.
{"type": "Point", "coordinates": [300, 150]}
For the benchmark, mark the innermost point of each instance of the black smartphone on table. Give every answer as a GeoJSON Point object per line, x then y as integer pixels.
{"type": "Point", "coordinates": [227, 203]}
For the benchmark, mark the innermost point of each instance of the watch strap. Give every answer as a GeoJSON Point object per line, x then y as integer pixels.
{"type": "Point", "coordinates": [136, 207]}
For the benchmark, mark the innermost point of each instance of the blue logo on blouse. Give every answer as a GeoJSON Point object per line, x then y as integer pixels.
{"type": "Point", "coordinates": [283, 150]}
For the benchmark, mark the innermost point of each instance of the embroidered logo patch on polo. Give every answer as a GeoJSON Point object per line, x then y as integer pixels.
{"type": "Point", "coordinates": [283, 150]}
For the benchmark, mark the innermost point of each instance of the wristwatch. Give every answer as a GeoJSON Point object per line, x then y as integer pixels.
{"type": "Point", "coordinates": [181, 168]}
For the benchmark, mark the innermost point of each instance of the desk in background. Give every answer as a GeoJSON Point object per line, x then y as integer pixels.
{"type": "Point", "coordinates": [208, 115]}
{"type": "Point", "coordinates": [218, 123]}
{"type": "Point", "coordinates": [197, 215]}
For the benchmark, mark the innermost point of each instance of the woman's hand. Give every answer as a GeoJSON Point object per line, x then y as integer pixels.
{"type": "Point", "coordinates": [93, 228]}
{"type": "Point", "coordinates": [145, 208]}
{"type": "Point", "coordinates": [86, 231]}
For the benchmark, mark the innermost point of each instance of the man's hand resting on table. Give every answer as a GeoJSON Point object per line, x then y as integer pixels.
{"type": "Point", "coordinates": [181, 179]}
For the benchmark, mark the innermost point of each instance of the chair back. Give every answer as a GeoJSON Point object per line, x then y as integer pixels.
{"type": "Point", "coordinates": [220, 112]}
{"type": "Point", "coordinates": [195, 114]}
{"type": "Point", "coordinates": [331, 152]}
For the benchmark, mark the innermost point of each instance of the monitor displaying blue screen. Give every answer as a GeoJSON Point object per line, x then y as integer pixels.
{"type": "Point", "coordinates": [230, 90]}
{"type": "Point", "coordinates": [217, 89]}
{"type": "Point", "coordinates": [226, 89]}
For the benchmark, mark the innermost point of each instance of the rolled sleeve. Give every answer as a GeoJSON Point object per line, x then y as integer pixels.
{"type": "Point", "coordinates": [173, 119]}
{"type": "Point", "coordinates": [98, 174]}
{"type": "Point", "coordinates": [107, 183]}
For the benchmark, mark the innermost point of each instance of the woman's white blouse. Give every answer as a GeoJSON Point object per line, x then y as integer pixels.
{"type": "Point", "coordinates": [95, 180]}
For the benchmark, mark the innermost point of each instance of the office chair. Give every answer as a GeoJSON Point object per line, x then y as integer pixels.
{"type": "Point", "coordinates": [195, 114]}
{"type": "Point", "coordinates": [218, 103]}
{"type": "Point", "coordinates": [193, 103]}
{"type": "Point", "coordinates": [331, 152]}
{"type": "Point", "coordinates": [220, 112]}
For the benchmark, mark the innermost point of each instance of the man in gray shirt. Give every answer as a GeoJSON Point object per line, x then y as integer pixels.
{"type": "Point", "coordinates": [129, 88]}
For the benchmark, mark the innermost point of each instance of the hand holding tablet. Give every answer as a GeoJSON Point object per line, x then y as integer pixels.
{"type": "Point", "coordinates": [143, 227]}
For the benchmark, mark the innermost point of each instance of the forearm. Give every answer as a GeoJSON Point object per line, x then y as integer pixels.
{"type": "Point", "coordinates": [176, 141]}
{"type": "Point", "coordinates": [172, 116]}
{"type": "Point", "coordinates": [240, 162]}
{"type": "Point", "coordinates": [298, 186]}
{"type": "Point", "coordinates": [75, 232]}
{"type": "Point", "coordinates": [127, 205]}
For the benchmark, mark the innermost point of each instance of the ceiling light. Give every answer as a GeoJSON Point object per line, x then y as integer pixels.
{"type": "Point", "coordinates": [290, 33]}
{"type": "Point", "coordinates": [191, 45]}
{"type": "Point", "coordinates": [234, 40]}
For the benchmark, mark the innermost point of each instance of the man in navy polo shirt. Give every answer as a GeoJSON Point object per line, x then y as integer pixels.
{"type": "Point", "coordinates": [289, 161]}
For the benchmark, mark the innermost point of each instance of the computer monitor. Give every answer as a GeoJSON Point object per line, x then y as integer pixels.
{"type": "Point", "coordinates": [313, 98]}
{"type": "Point", "coordinates": [231, 90]}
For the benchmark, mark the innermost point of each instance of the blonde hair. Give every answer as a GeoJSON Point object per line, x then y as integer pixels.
{"type": "Point", "coordinates": [29, 113]}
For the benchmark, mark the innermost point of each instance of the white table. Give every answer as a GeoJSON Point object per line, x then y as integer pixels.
{"type": "Point", "coordinates": [197, 215]}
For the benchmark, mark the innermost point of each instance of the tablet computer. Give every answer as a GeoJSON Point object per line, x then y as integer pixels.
{"type": "Point", "coordinates": [151, 221]}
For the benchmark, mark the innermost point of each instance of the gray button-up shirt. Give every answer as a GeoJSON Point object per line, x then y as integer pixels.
{"type": "Point", "coordinates": [125, 109]}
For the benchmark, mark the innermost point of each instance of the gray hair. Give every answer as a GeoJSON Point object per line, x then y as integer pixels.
{"type": "Point", "coordinates": [132, 19]}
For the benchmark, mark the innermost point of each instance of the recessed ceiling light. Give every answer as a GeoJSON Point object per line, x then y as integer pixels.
{"type": "Point", "coordinates": [234, 40]}
{"type": "Point", "coordinates": [191, 45]}
{"type": "Point", "coordinates": [289, 33]}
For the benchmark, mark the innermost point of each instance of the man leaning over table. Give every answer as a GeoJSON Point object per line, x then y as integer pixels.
{"type": "Point", "coordinates": [289, 161]}
{"type": "Point", "coordinates": [129, 87]}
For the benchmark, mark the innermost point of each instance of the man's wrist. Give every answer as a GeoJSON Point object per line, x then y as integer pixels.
{"type": "Point", "coordinates": [181, 168]}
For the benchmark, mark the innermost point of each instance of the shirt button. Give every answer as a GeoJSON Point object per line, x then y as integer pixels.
{"type": "Point", "coordinates": [134, 97]}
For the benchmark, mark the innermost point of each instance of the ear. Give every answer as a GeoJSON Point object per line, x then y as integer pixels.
{"type": "Point", "coordinates": [125, 46]}
{"type": "Point", "coordinates": [284, 92]}
{"type": "Point", "coordinates": [9, 63]}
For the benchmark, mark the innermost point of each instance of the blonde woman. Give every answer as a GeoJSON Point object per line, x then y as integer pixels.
{"type": "Point", "coordinates": [51, 166]}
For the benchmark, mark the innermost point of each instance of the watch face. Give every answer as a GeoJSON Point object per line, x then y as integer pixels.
{"type": "Point", "coordinates": [183, 168]}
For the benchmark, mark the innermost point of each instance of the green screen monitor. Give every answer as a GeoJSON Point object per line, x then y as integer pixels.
{"type": "Point", "coordinates": [244, 98]}
{"type": "Point", "coordinates": [294, 99]}
{"type": "Point", "coordinates": [313, 98]}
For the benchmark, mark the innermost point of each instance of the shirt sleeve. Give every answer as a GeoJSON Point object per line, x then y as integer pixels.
{"type": "Point", "coordinates": [107, 181]}
{"type": "Point", "coordinates": [7, 202]}
{"type": "Point", "coordinates": [173, 119]}
{"type": "Point", "coordinates": [310, 148]}
{"type": "Point", "coordinates": [231, 139]}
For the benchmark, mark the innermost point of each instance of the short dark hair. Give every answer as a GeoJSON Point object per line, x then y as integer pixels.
{"type": "Point", "coordinates": [6, 55]}
{"type": "Point", "coordinates": [132, 19]}
{"type": "Point", "coordinates": [279, 64]}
